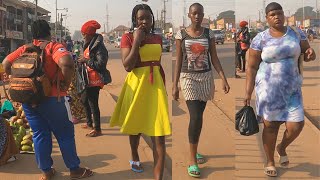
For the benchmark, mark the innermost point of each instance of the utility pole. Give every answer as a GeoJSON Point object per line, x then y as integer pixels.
{"type": "Point", "coordinates": [157, 25]}
{"type": "Point", "coordinates": [259, 15]}
{"type": "Point", "coordinates": [55, 26]}
{"type": "Point", "coordinates": [317, 14]}
{"type": "Point", "coordinates": [263, 6]}
{"type": "Point", "coordinates": [36, 10]}
{"type": "Point", "coordinates": [164, 15]}
{"type": "Point", "coordinates": [57, 19]}
{"type": "Point", "coordinates": [107, 17]}
{"type": "Point", "coordinates": [65, 22]}
{"type": "Point", "coordinates": [60, 26]}
{"type": "Point", "coordinates": [184, 13]}
{"type": "Point", "coordinates": [303, 14]}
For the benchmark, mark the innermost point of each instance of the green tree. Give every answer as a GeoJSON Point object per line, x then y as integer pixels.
{"type": "Point", "coordinates": [226, 14]}
{"type": "Point", "coordinates": [308, 12]}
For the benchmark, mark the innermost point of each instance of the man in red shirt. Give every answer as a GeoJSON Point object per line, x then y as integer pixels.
{"type": "Point", "coordinates": [52, 115]}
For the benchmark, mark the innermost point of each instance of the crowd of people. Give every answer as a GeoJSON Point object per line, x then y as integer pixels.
{"type": "Point", "coordinates": [142, 106]}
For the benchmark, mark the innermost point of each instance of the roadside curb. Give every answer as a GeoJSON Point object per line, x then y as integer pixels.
{"type": "Point", "coordinates": [315, 123]}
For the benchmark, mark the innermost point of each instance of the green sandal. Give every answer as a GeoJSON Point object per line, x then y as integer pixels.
{"type": "Point", "coordinates": [194, 171]}
{"type": "Point", "coordinates": [200, 159]}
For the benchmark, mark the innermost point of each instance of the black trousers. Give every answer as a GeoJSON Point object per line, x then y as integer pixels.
{"type": "Point", "coordinates": [196, 109]}
{"type": "Point", "coordinates": [241, 60]}
{"type": "Point", "coordinates": [90, 100]}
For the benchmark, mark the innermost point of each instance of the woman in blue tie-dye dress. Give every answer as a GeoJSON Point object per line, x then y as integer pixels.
{"type": "Point", "coordinates": [273, 71]}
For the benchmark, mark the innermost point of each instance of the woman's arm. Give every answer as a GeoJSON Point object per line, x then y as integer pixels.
{"type": "Point", "coordinates": [131, 55]}
{"type": "Point", "coordinates": [217, 65]}
{"type": "Point", "coordinates": [177, 70]}
{"type": "Point", "coordinates": [253, 59]}
{"type": "Point", "coordinates": [310, 54]}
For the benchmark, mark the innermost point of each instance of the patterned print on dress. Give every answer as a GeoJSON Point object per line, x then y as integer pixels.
{"type": "Point", "coordinates": [197, 54]}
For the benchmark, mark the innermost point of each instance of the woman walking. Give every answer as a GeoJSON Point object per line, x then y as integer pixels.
{"type": "Point", "coordinates": [142, 106]}
{"type": "Point", "coordinates": [273, 71]}
{"type": "Point", "coordinates": [95, 57]}
{"type": "Point", "coordinates": [195, 52]}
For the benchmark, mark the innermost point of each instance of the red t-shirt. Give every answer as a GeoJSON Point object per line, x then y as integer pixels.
{"type": "Point", "coordinates": [127, 40]}
{"type": "Point", "coordinates": [53, 52]}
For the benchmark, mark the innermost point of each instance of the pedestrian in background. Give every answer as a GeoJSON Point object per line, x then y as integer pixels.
{"type": "Point", "coordinates": [142, 106]}
{"type": "Point", "coordinates": [95, 57]}
{"type": "Point", "coordinates": [243, 44]}
{"type": "Point", "coordinates": [52, 115]}
{"type": "Point", "coordinates": [273, 71]}
{"type": "Point", "coordinates": [77, 49]}
{"type": "Point", "coordinates": [196, 51]}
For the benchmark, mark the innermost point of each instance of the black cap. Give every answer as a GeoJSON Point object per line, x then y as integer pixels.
{"type": "Point", "coordinates": [273, 6]}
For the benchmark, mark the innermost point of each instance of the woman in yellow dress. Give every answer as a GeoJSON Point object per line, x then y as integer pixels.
{"type": "Point", "coordinates": [142, 106]}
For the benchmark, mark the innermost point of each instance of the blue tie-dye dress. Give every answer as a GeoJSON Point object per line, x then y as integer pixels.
{"type": "Point", "coordinates": [278, 82]}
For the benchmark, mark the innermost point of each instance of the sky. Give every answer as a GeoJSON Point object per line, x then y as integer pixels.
{"type": "Point", "coordinates": [79, 11]}
{"type": "Point", "coordinates": [244, 9]}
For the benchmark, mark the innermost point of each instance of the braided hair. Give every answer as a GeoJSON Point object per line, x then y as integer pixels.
{"type": "Point", "coordinates": [134, 15]}
{"type": "Point", "coordinates": [40, 29]}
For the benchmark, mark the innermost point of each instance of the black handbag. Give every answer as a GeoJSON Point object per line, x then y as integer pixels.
{"type": "Point", "coordinates": [82, 79]}
{"type": "Point", "coordinates": [246, 122]}
{"type": "Point", "coordinates": [106, 77]}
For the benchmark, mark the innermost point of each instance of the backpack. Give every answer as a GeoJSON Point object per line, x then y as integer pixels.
{"type": "Point", "coordinates": [29, 83]}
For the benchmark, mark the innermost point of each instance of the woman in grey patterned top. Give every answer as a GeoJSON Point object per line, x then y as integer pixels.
{"type": "Point", "coordinates": [195, 52]}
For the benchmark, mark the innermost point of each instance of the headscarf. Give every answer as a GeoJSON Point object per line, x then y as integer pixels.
{"type": "Point", "coordinates": [90, 27]}
{"type": "Point", "coordinates": [243, 24]}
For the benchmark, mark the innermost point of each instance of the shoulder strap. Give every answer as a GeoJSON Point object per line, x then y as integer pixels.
{"type": "Point", "coordinates": [42, 47]}
{"type": "Point", "coordinates": [32, 48]}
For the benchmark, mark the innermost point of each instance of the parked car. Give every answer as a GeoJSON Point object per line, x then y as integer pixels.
{"type": "Point", "coordinates": [219, 36]}
{"type": "Point", "coordinates": [111, 40]}
{"type": "Point", "coordinates": [117, 42]}
{"type": "Point", "coordinates": [165, 45]}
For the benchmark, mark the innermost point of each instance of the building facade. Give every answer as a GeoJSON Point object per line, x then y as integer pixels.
{"type": "Point", "coordinates": [16, 17]}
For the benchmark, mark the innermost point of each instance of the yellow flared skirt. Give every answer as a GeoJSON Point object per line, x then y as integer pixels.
{"type": "Point", "coordinates": [142, 106]}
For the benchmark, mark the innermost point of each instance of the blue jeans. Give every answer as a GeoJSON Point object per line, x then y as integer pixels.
{"type": "Point", "coordinates": [54, 117]}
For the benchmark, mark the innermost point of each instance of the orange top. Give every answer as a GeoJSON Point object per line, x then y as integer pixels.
{"type": "Point", "coordinates": [243, 45]}
{"type": "Point", "coordinates": [95, 78]}
{"type": "Point", "coordinates": [53, 52]}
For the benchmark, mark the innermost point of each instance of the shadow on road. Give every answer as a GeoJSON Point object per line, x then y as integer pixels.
{"type": "Point", "coordinates": [127, 174]}
{"type": "Point", "coordinates": [176, 110]}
